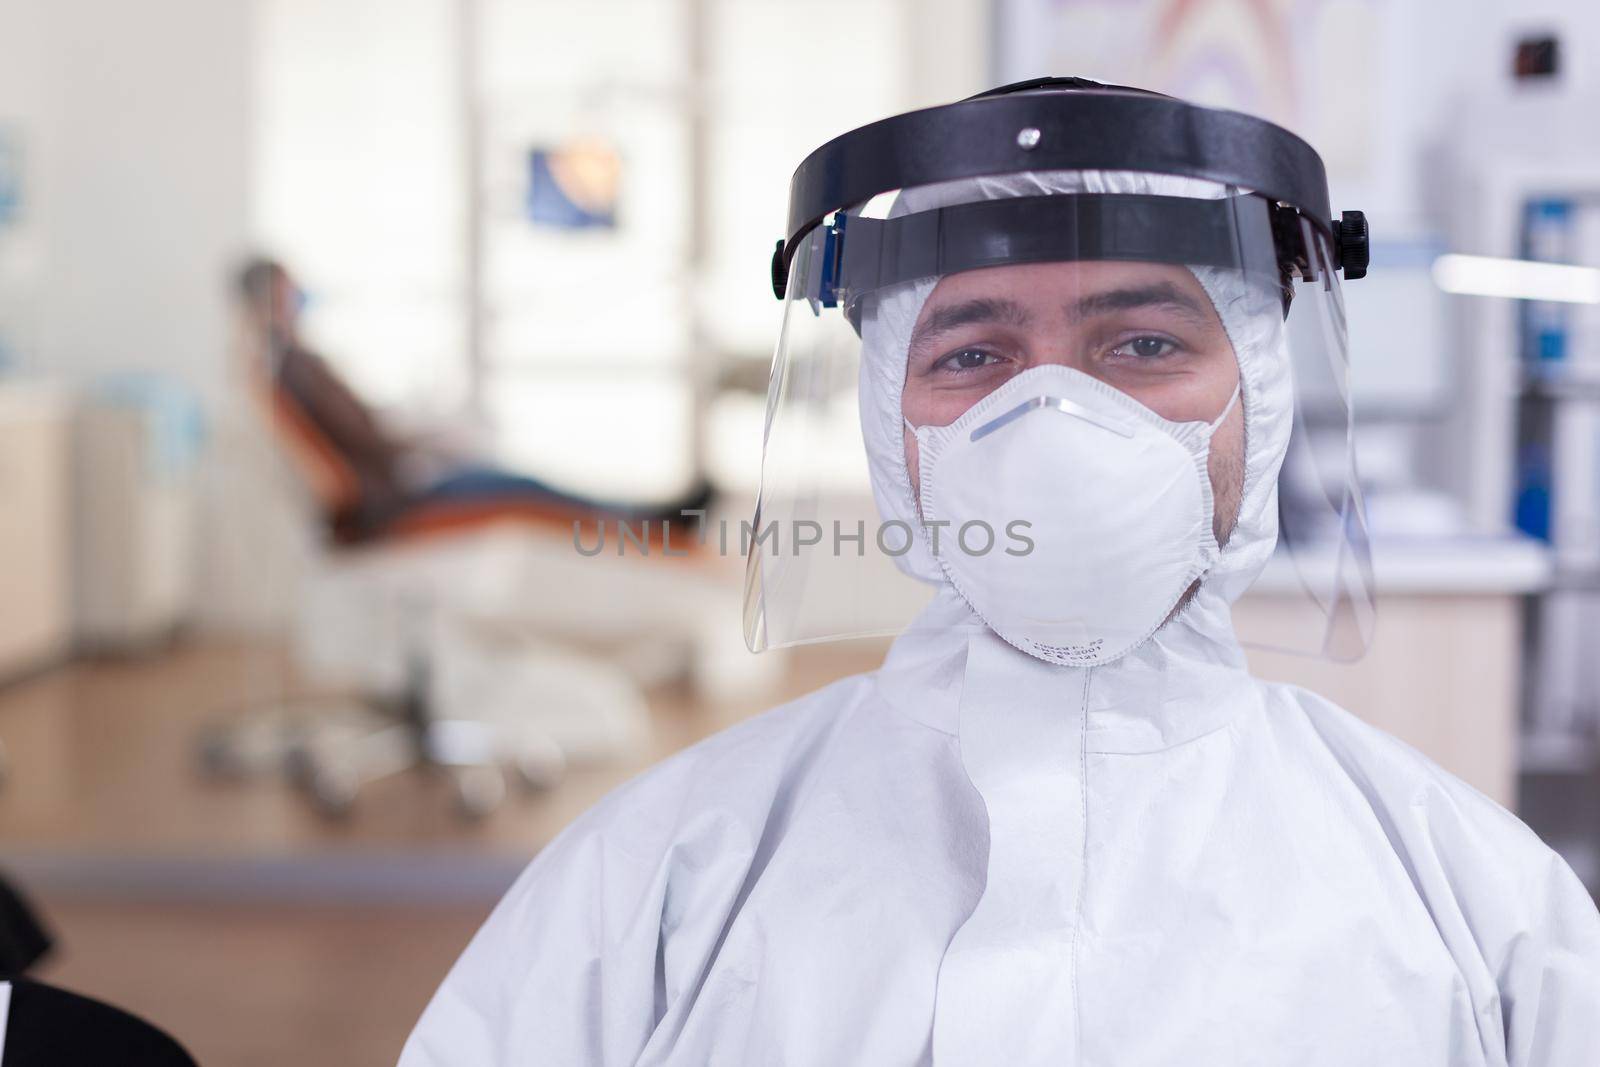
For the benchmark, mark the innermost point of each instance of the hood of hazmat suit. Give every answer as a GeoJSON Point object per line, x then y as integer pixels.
{"type": "Point", "coordinates": [1062, 823]}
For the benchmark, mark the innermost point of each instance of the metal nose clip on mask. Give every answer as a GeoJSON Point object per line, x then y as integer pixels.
{"type": "Point", "coordinates": [1108, 506]}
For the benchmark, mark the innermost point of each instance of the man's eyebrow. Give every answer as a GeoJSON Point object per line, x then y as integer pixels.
{"type": "Point", "coordinates": [984, 309]}
{"type": "Point", "coordinates": [1162, 294]}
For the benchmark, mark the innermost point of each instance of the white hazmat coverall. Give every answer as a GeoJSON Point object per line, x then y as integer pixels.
{"type": "Point", "coordinates": [971, 856]}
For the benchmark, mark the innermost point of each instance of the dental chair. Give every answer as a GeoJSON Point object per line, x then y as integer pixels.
{"type": "Point", "coordinates": [481, 644]}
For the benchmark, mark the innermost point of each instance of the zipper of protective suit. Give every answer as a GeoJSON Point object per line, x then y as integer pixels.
{"type": "Point", "coordinates": [1007, 987]}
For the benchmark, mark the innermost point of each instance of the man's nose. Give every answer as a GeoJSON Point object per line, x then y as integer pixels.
{"type": "Point", "coordinates": [1063, 352]}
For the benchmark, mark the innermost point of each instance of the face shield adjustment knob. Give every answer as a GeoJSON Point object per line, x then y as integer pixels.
{"type": "Point", "coordinates": [780, 272]}
{"type": "Point", "coordinates": [1352, 244]}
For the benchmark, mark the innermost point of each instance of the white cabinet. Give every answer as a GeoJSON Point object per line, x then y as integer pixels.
{"type": "Point", "coordinates": [1444, 671]}
{"type": "Point", "coordinates": [134, 516]}
{"type": "Point", "coordinates": [35, 540]}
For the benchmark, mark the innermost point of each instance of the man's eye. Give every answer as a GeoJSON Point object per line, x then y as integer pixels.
{"type": "Point", "coordinates": [966, 359]}
{"type": "Point", "coordinates": [1145, 348]}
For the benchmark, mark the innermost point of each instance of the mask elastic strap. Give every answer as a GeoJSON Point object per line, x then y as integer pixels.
{"type": "Point", "coordinates": [1220, 419]}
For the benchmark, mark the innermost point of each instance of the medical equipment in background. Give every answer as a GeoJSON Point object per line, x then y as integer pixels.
{"type": "Point", "coordinates": [481, 644]}
{"type": "Point", "coordinates": [1525, 430]}
{"type": "Point", "coordinates": [1557, 476]}
{"type": "Point", "coordinates": [332, 745]}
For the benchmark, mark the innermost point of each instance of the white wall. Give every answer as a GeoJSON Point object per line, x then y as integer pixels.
{"type": "Point", "coordinates": [136, 120]}
{"type": "Point", "coordinates": [137, 125]}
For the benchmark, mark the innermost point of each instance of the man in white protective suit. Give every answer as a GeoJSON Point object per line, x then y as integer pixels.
{"type": "Point", "coordinates": [1062, 824]}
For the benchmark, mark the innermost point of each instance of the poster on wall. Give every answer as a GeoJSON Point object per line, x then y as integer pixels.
{"type": "Point", "coordinates": [574, 186]}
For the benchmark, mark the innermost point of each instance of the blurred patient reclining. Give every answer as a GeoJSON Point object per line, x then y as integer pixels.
{"type": "Point", "coordinates": [490, 654]}
{"type": "Point", "coordinates": [373, 483]}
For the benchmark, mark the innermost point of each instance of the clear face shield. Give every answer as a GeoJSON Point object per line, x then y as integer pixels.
{"type": "Point", "coordinates": [1085, 401]}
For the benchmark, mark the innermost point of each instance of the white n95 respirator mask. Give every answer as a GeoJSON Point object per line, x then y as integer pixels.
{"type": "Point", "coordinates": [1101, 507]}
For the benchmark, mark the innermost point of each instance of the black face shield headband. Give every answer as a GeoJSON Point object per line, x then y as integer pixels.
{"type": "Point", "coordinates": [860, 255]}
{"type": "Point", "coordinates": [1063, 124]}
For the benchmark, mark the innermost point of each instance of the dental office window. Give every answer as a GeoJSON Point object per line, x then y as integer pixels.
{"type": "Point", "coordinates": [554, 216]}
{"type": "Point", "coordinates": [358, 187]}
